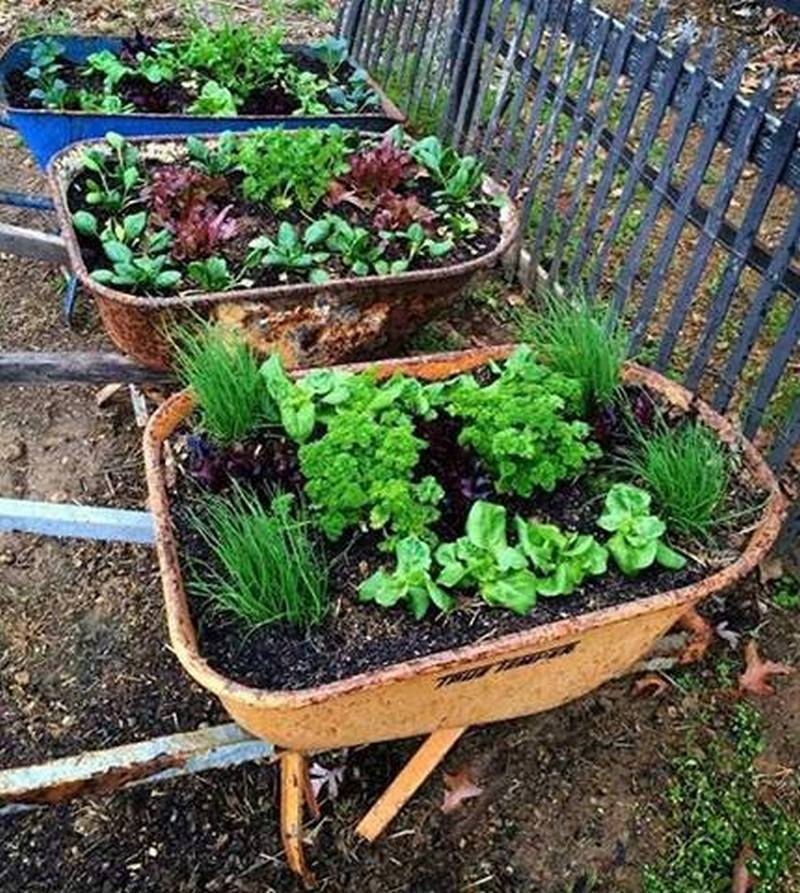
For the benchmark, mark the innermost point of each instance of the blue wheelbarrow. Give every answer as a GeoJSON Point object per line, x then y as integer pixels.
{"type": "Point", "coordinates": [45, 132]}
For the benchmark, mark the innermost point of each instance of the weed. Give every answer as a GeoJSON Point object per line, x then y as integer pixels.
{"type": "Point", "coordinates": [787, 595]}
{"type": "Point", "coordinates": [716, 809]}
{"type": "Point", "coordinates": [265, 567]}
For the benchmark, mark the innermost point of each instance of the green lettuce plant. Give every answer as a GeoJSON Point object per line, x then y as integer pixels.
{"type": "Point", "coordinates": [636, 542]}
{"type": "Point", "coordinates": [214, 101]}
{"type": "Point", "coordinates": [484, 558]}
{"type": "Point", "coordinates": [562, 560]}
{"type": "Point", "coordinates": [115, 177]}
{"type": "Point", "coordinates": [211, 274]}
{"type": "Point", "coordinates": [410, 582]}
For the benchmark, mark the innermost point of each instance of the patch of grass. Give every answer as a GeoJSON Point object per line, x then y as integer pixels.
{"type": "Point", "coordinates": [223, 373]}
{"type": "Point", "coordinates": [715, 809]}
{"type": "Point", "coordinates": [787, 595]}
{"type": "Point", "coordinates": [44, 22]}
{"type": "Point", "coordinates": [432, 338]}
{"type": "Point", "coordinates": [686, 470]}
{"type": "Point", "coordinates": [579, 340]}
{"type": "Point", "coordinates": [265, 567]}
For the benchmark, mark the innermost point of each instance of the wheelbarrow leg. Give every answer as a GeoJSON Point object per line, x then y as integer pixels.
{"type": "Point", "coordinates": [415, 771]}
{"type": "Point", "coordinates": [295, 791]}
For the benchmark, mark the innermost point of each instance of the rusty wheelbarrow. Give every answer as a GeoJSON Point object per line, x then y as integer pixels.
{"type": "Point", "coordinates": [307, 324]}
{"type": "Point", "coordinates": [442, 694]}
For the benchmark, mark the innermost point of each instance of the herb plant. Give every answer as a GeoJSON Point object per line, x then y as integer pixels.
{"type": "Point", "coordinates": [291, 166]}
{"type": "Point", "coordinates": [483, 558]}
{"type": "Point", "coordinates": [223, 375]}
{"type": "Point", "coordinates": [523, 424]}
{"type": "Point", "coordinates": [579, 340]}
{"type": "Point", "coordinates": [636, 542]}
{"type": "Point", "coordinates": [361, 470]}
{"type": "Point", "coordinates": [686, 470]}
{"type": "Point", "coordinates": [264, 566]}
{"type": "Point", "coordinates": [410, 582]}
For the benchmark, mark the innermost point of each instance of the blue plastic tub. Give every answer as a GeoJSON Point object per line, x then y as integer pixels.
{"type": "Point", "coordinates": [47, 132]}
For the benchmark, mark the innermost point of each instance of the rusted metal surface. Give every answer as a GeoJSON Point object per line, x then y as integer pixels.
{"type": "Point", "coordinates": [307, 324]}
{"type": "Point", "coordinates": [100, 771]}
{"type": "Point", "coordinates": [509, 676]}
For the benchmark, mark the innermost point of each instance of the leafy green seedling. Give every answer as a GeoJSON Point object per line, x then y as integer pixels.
{"type": "Point", "coordinates": [355, 96]}
{"type": "Point", "coordinates": [216, 161]}
{"type": "Point", "coordinates": [332, 52]}
{"type": "Point", "coordinates": [410, 582]}
{"type": "Point", "coordinates": [109, 65]}
{"type": "Point", "coordinates": [116, 175]}
{"type": "Point", "coordinates": [215, 101]}
{"type": "Point", "coordinates": [418, 242]}
{"type": "Point", "coordinates": [483, 558]}
{"type": "Point", "coordinates": [565, 559]}
{"type": "Point", "coordinates": [211, 274]}
{"type": "Point", "coordinates": [637, 535]}
{"type": "Point", "coordinates": [290, 251]}
{"type": "Point", "coordinates": [354, 245]}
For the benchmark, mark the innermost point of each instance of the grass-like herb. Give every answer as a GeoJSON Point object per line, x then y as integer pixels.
{"type": "Point", "coordinates": [265, 565]}
{"type": "Point", "coordinates": [223, 373]}
{"type": "Point", "coordinates": [686, 470]}
{"type": "Point", "coordinates": [576, 339]}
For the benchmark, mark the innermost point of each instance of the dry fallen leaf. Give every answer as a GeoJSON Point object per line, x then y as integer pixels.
{"type": "Point", "coordinates": [107, 393]}
{"type": "Point", "coordinates": [458, 788]}
{"type": "Point", "coordinates": [321, 777]}
{"type": "Point", "coordinates": [649, 686]}
{"type": "Point", "coordinates": [742, 880]}
{"type": "Point", "coordinates": [771, 568]}
{"type": "Point", "coordinates": [757, 673]}
{"type": "Point", "coordinates": [701, 637]}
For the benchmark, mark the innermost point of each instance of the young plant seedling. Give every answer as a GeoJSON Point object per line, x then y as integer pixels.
{"type": "Point", "coordinates": [483, 558]}
{"type": "Point", "coordinates": [116, 176]}
{"type": "Point", "coordinates": [636, 542]}
{"type": "Point", "coordinates": [565, 559]}
{"type": "Point", "coordinates": [292, 252]}
{"type": "Point", "coordinates": [410, 582]}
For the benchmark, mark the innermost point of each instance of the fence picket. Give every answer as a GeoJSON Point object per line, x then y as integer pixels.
{"type": "Point", "coordinates": [570, 144]}
{"type": "Point", "coordinates": [620, 54]}
{"type": "Point", "coordinates": [773, 371]}
{"type": "Point", "coordinates": [645, 141]}
{"type": "Point", "coordinates": [787, 439]}
{"type": "Point", "coordinates": [756, 313]}
{"type": "Point", "coordinates": [464, 89]}
{"type": "Point", "coordinates": [483, 83]}
{"type": "Point", "coordinates": [782, 147]}
{"type": "Point", "coordinates": [505, 79]}
{"type": "Point", "coordinates": [519, 93]}
{"type": "Point", "coordinates": [623, 126]}
{"type": "Point", "coordinates": [713, 223]}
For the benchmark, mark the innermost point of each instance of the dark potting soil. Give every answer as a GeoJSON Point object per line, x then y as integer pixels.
{"type": "Point", "coordinates": [173, 98]}
{"type": "Point", "coordinates": [358, 637]}
{"type": "Point", "coordinates": [258, 218]}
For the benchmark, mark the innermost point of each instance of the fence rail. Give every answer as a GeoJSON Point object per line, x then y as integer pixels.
{"type": "Point", "coordinates": [646, 181]}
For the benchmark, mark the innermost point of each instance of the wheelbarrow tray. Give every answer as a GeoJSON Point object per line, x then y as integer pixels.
{"type": "Point", "coordinates": [512, 675]}
{"type": "Point", "coordinates": [45, 131]}
{"type": "Point", "coordinates": [307, 324]}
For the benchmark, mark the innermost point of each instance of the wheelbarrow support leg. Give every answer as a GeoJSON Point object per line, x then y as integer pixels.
{"type": "Point", "coordinates": [295, 791]}
{"type": "Point", "coordinates": [416, 770]}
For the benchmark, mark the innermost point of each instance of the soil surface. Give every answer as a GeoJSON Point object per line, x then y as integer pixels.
{"type": "Point", "coordinates": [572, 801]}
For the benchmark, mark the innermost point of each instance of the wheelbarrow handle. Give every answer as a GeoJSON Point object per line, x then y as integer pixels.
{"type": "Point", "coordinates": [34, 244]}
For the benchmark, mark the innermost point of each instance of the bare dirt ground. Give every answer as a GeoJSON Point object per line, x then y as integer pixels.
{"type": "Point", "coordinates": [572, 801]}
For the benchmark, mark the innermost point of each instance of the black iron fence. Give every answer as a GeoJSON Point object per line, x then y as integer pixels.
{"type": "Point", "coordinates": [646, 182]}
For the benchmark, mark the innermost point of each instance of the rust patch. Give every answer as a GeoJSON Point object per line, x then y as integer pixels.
{"type": "Point", "coordinates": [101, 782]}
